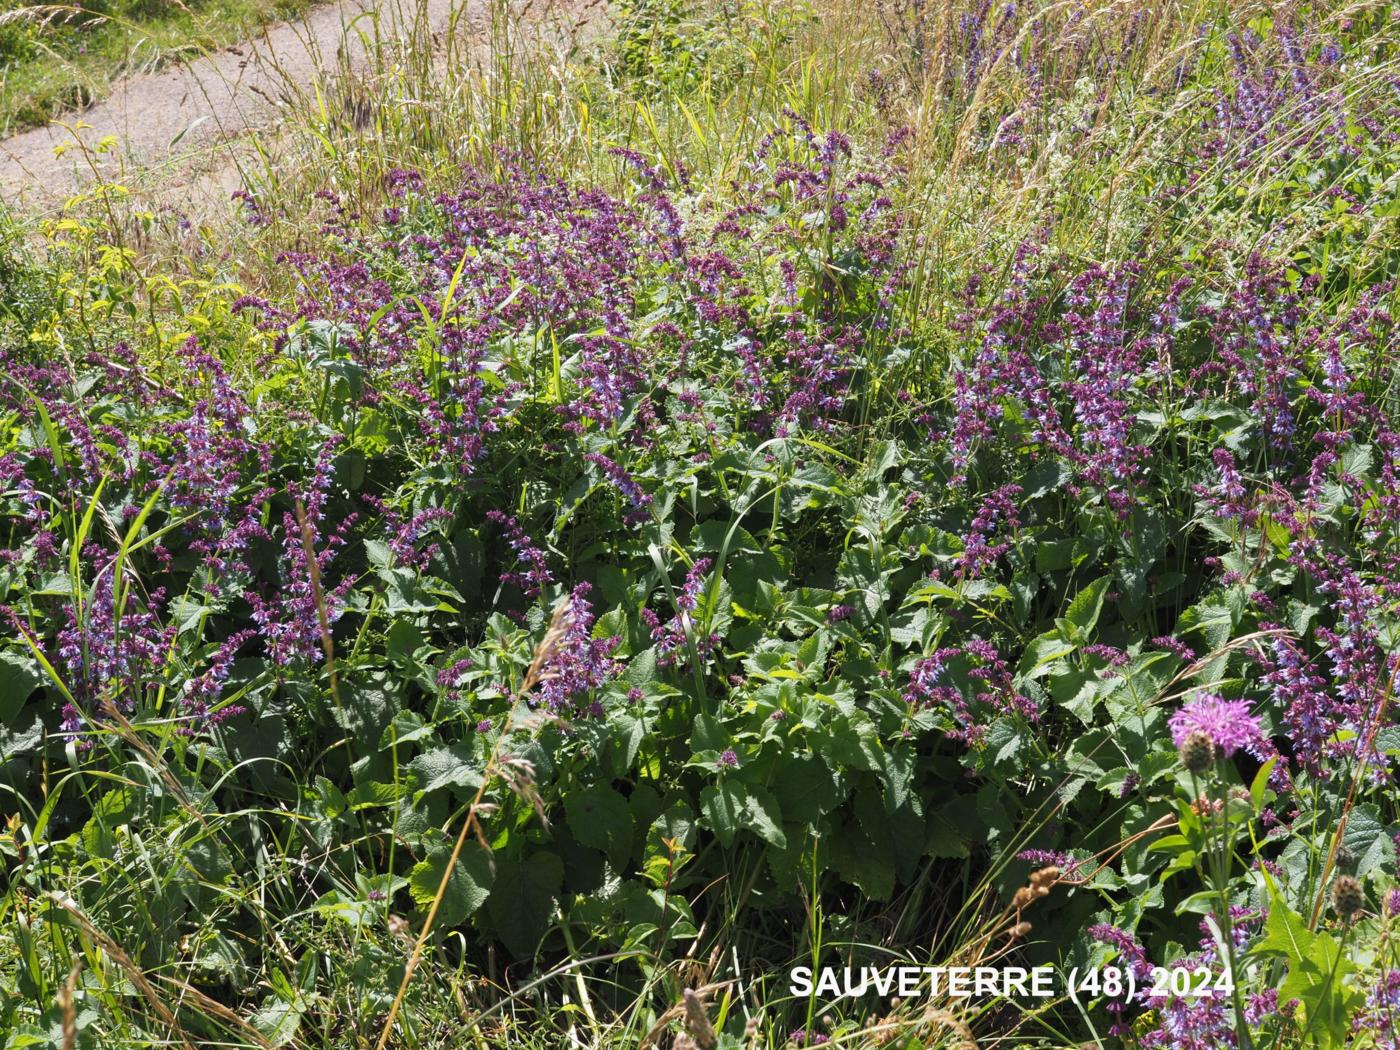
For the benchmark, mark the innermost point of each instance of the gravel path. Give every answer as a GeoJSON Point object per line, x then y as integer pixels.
{"type": "Point", "coordinates": [165, 123]}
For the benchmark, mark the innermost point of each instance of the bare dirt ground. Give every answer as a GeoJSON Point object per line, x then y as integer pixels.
{"type": "Point", "coordinates": [183, 129]}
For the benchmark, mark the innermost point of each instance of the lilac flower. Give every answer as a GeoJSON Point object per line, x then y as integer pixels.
{"type": "Point", "coordinates": [406, 535]}
{"type": "Point", "coordinates": [537, 574]}
{"type": "Point", "coordinates": [291, 623]}
{"type": "Point", "coordinates": [929, 686]}
{"type": "Point", "coordinates": [112, 653]}
{"type": "Point", "coordinates": [581, 663]}
{"type": "Point", "coordinates": [1229, 499]}
{"type": "Point", "coordinates": [1041, 858]}
{"type": "Point", "coordinates": [202, 692]}
{"type": "Point", "coordinates": [1228, 723]}
{"type": "Point", "coordinates": [1132, 955]}
{"type": "Point", "coordinates": [1303, 699]}
{"type": "Point", "coordinates": [620, 478]}
{"type": "Point", "coordinates": [451, 677]}
{"type": "Point", "coordinates": [1379, 1019]}
{"type": "Point", "coordinates": [671, 637]}
{"type": "Point", "coordinates": [998, 515]}
{"type": "Point", "coordinates": [1176, 647]}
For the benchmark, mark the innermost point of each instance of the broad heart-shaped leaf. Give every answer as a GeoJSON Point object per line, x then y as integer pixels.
{"type": "Point", "coordinates": [722, 806]}
{"type": "Point", "coordinates": [1041, 655]}
{"type": "Point", "coordinates": [860, 862]}
{"type": "Point", "coordinates": [445, 767]}
{"type": "Point", "coordinates": [467, 889]}
{"type": "Point", "coordinates": [600, 817]}
{"type": "Point", "coordinates": [1368, 839]}
{"type": "Point", "coordinates": [404, 593]}
{"type": "Point", "coordinates": [730, 805]}
{"type": "Point", "coordinates": [1213, 619]}
{"type": "Point", "coordinates": [1084, 610]}
{"type": "Point", "coordinates": [15, 741]}
{"type": "Point", "coordinates": [521, 904]}
{"type": "Point", "coordinates": [18, 678]}
{"type": "Point", "coordinates": [806, 790]}
{"type": "Point", "coordinates": [764, 818]}
{"type": "Point", "coordinates": [279, 1021]}
{"type": "Point", "coordinates": [708, 734]}
{"type": "Point", "coordinates": [1316, 969]}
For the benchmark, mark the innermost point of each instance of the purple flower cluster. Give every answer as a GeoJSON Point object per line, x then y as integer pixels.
{"type": "Point", "coordinates": [670, 637]}
{"type": "Point", "coordinates": [997, 518]}
{"type": "Point", "coordinates": [580, 664]}
{"type": "Point", "coordinates": [202, 693]}
{"type": "Point", "coordinates": [931, 684]}
{"type": "Point", "coordinates": [622, 480]}
{"type": "Point", "coordinates": [535, 575]}
{"type": "Point", "coordinates": [113, 645]}
{"type": "Point", "coordinates": [1228, 723]}
{"type": "Point", "coordinates": [292, 622]}
{"type": "Point", "coordinates": [1379, 1020]}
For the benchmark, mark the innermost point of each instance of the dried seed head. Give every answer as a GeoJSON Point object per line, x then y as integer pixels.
{"type": "Point", "coordinates": [1018, 931]}
{"type": "Point", "coordinates": [518, 774]}
{"type": "Point", "coordinates": [1345, 858]}
{"type": "Point", "coordinates": [1046, 876]}
{"type": "Point", "coordinates": [962, 1032]}
{"type": "Point", "coordinates": [697, 1022]}
{"type": "Point", "coordinates": [1197, 752]}
{"type": "Point", "coordinates": [1023, 896]}
{"type": "Point", "coordinates": [1204, 806]}
{"type": "Point", "coordinates": [1347, 896]}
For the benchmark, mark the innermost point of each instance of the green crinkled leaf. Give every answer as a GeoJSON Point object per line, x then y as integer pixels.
{"type": "Point", "coordinates": [1316, 972]}
{"type": "Point", "coordinates": [19, 676]}
{"type": "Point", "coordinates": [15, 741]}
{"type": "Point", "coordinates": [764, 817]}
{"type": "Point", "coordinates": [942, 840]}
{"type": "Point", "coordinates": [1369, 840]}
{"type": "Point", "coordinates": [1042, 655]}
{"type": "Point", "coordinates": [279, 1022]}
{"type": "Point", "coordinates": [628, 732]}
{"type": "Point", "coordinates": [722, 807]}
{"type": "Point", "coordinates": [442, 767]}
{"type": "Point", "coordinates": [1084, 610]}
{"type": "Point", "coordinates": [807, 789]}
{"type": "Point", "coordinates": [1213, 619]}
{"type": "Point", "coordinates": [599, 817]}
{"type": "Point", "coordinates": [467, 888]}
{"type": "Point", "coordinates": [858, 861]}
{"type": "Point", "coordinates": [522, 900]}
{"type": "Point", "coordinates": [708, 734]}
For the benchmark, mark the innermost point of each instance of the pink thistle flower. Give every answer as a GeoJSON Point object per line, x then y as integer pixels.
{"type": "Point", "coordinates": [1228, 723]}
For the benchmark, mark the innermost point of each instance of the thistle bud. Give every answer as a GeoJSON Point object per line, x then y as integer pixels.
{"type": "Point", "coordinates": [1197, 752]}
{"type": "Point", "coordinates": [1347, 896]}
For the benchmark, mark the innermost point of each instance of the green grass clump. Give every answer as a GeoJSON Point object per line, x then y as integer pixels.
{"type": "Point", "coordinates": [55, 58]}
